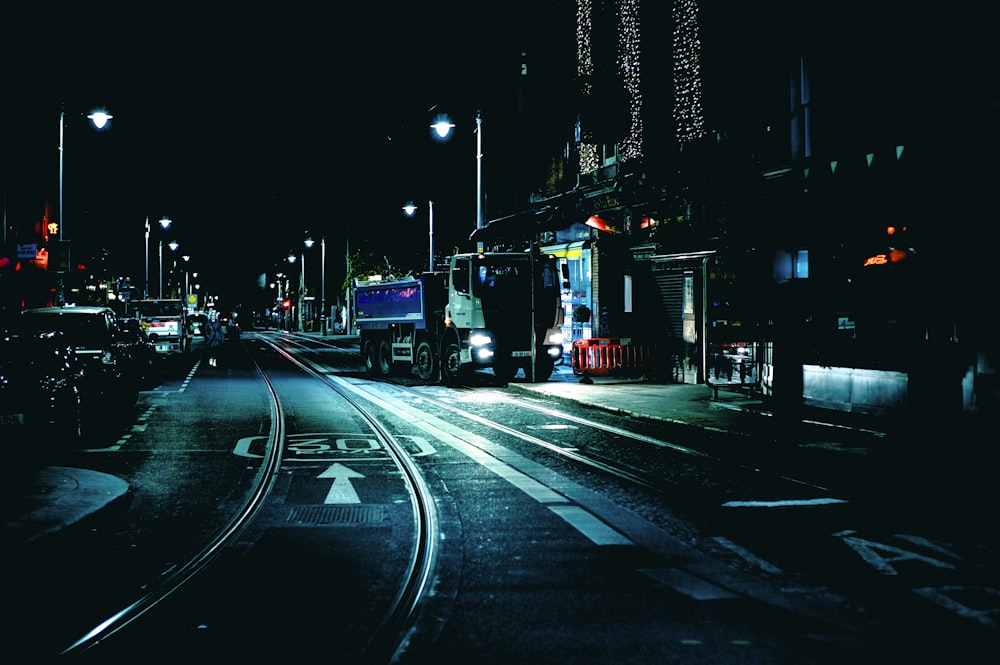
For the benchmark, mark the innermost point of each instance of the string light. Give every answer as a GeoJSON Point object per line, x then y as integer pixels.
{"type": "Point", "coordinates": [628, 63]}
{"type": "Point", "coordinates": [688, 113]}
{"type": "Point", "coordinates": [585, 69]}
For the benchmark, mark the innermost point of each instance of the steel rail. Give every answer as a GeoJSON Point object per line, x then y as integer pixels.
{"type": "Point", "coordinates": [182, 575]}
{"type": "Point", "coordinates": [390, 636]}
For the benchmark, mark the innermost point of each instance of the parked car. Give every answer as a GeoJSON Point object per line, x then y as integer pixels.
{"type": "Point", "coordinates": [40, 386]}
{"type": "Point", "coordinates": [143, 351]}
{"type": "Point", "coordinates": [111, 375]}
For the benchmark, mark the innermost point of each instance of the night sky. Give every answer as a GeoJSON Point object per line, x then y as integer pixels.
{"type": "Point", "coordinates": [251, 126]}
{"type": "Point", "coordinates": [247, 127]}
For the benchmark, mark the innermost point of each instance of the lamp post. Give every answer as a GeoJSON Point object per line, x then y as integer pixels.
{"type": "Point", "coordinates": [164, 224]}
{"type": "Point", "coordinates": [308, 242]}
{"type": "Point", "coordinates": [145, 288]}
{"type": "Point", "coordinates": [184, 293]}
{"type": "Point", "coordinates": [409, 209]}
{"type": "Point", "coordinates": [173, 245]}
{"type": "Point", "coordinates": [101, 120]}
{"type": "Point", "coordinates": [322, 286]}
{"type": "Point", "coordinates": [292, 258]}
{"type": "Point", "coordinates": [479, 171]}
{"type": "Point", "coordinates": [442, 127]}
{"type": "Point", "coordinates": [348, 304]}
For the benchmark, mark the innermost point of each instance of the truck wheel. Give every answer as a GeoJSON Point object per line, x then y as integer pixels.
{"type": "Point", "coordinates": [543, 369]}
{"type": "Point", "coordinates": [451, 362]}
{"type": "Point", "coordinates": [425, 363]}
{"type": "Point", "coordinates": [385, 358]}
{"type": "Point", "coordinates": [370, 357]}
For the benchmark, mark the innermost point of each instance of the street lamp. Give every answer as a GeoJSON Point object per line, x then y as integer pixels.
{"type": "Point", "coordinates": [292, 258]}
{"type": "Point", "coordinates": [409, 209]}
{"type": "Point", "coordinates": [184, 295]}
{"type": "Point", "coordinates": [101, 120]}
{"type": "Point", "coordinates": [442, 127]}
{"type": "Point", "coordinates": [322, 286]}
{"type": "Point", "coordinates": [164, 224]}
{"type": "Point", "coordinates": [308, 242]}
{"type": "Point", "coordinates": [173, 269]}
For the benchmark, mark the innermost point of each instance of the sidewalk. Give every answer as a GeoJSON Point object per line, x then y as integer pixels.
{"type": "Point", "coordinates": [730, 408]}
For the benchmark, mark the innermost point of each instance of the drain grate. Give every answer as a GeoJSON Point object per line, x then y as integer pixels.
{"type": "Point", "coordinates": [366, 514]}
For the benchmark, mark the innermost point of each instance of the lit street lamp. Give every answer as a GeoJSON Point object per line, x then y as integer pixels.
{"type": "Point", "coordinates": [409, 209]}
{"type": "Point", "coordinates": [165, 224]}
{"type": "Point", "coordinates": [442, 127]}
{"type": "Point", "coordinates": [173, 245]}
{"type": "Point", "coordinates": [100, 120]}
{"type": "Point", "coordinates": [308, 242]}
{"type": "Point", "coordinates": [184, 295]}
{"type": "Point", "coordinates": [292, 258]}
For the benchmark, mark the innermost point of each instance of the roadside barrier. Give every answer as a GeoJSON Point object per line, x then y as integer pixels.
{"type": "Point", "coordinates": [602, 356]}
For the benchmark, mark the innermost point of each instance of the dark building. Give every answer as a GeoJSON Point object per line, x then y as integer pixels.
{"type": "Point", "coordinates": [804, 193]}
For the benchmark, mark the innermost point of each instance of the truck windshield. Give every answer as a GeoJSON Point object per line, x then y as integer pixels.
{"type": "Point", "coordinates": [512, 276]}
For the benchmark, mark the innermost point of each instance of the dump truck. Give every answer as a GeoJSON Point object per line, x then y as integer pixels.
{"type": "Point", "coordinates": [495, 309]}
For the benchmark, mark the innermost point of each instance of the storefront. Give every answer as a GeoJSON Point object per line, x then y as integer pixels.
{"type": "Point", "coordinates": [574, 262]}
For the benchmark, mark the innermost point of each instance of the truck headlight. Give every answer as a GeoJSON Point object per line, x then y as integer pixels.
{"type": "Point", "coordinates": [554, 337]}
{"type": "Point", "coordinates": [480, 339]}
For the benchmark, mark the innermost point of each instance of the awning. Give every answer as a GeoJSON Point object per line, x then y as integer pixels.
{"type": "Point", "coordinates": [565, 250]}
{"type": "Point", "coordinates": [525, 225]}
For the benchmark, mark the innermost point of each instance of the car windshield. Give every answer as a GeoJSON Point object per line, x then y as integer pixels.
{"type": "Point", "coordinates": [79, 329]}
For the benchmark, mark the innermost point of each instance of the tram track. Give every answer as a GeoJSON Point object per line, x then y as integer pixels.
{"type": "Point", "coordinates": [401, 612]}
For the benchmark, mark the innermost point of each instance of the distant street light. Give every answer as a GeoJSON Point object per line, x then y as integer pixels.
{"type": "Point", "coordinates": [409, 209]}
{"type": "Point", "coordinates": [308, 242]}
{"type": "Point", "coordinates": [184, 295]}
{"type": "Point", "coordinates": [292, 258]}
{"type": "Point", "coordinates": [164, 225]}
{"type": "Point", "coordinates": [173, 269]}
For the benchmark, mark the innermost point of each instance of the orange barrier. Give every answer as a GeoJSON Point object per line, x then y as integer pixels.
{"type": "Point", "coordinates": [610, 355]}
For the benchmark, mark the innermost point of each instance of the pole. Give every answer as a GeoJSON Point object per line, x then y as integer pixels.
{"type": "Point", "coordinates": [60, 293]}
{"type": "Point", "coordinates": [479, 177]}
{"type": "Point", "coordinates": [145, 290]}
{"type": "Point", "coordinates": [348, 306]}
{"type": "Point", "coordinates": [62, 115]}
{"type": "Point", "coordinates": [479, 171]}
{"type": "Point", "coordinates": [430, 223]}
{"type": "Point", "coordinates": [159, 292]}
{"type": "Point", "coordinates": [302, 288]}
{"type": "Point", "coordinates": [322, 286]}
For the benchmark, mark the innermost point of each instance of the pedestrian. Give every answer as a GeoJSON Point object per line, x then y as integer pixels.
{"type": "Point", "coordinates": [213, 338]}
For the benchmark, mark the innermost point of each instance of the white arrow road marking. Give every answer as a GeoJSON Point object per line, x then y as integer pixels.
{"type": "Point", "coordinates": [341, 491]}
